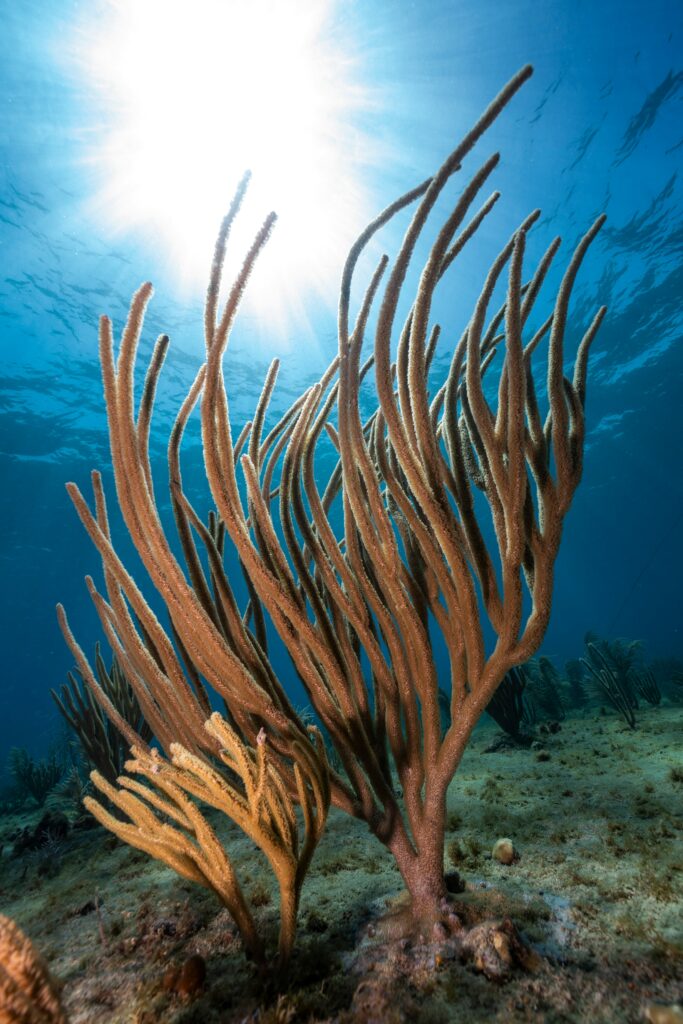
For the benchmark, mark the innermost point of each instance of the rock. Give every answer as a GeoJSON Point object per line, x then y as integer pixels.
{"type": "Point", "coordinates": [52, 827]}
{"type": "Point", "coordinates": [504, 852]}
{"type": "Point", "coordinates": [375, 1000]}
{"type": "Point", "coordinates": [188, 979]}
{"type": "Point", "coordinates": [496, 948]}
{"type": "Point", "coordinates": [505, 742]}
{"type": "Point", "coordinates": [454, 882]}
{"type": "Point", "coordinates": [316, 923]}
{"type": "Point", "coordinates": [192, 976]}
{"type": "Point", "coordinates": [89, 907]}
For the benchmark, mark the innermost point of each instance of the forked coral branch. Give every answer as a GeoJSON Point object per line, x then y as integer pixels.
{"type": "Point", "coordinates": [165, 820]}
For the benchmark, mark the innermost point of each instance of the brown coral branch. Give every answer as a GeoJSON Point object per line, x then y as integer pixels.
{"type": "Point", "coordinates": [358, 608]}
{"type": "Point", "coordinates": [28, 994]}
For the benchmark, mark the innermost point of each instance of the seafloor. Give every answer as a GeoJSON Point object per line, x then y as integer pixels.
{"type": "Point", "coordinates": [596, 815]}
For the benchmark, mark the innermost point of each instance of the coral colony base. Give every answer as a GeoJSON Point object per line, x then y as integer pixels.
{"type": "Point", "coordinates": [358, 610]}
{"type": "Point", "coordinates": [593, 813]}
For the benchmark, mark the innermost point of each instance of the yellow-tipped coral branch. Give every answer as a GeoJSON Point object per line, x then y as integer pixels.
{"type": "Point", "coordinates": [165, 822]}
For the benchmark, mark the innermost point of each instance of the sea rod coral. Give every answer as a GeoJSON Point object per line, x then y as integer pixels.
{"type": "Point", "coordinates": [180, 835]}
{"type": "Point", "coordinates": [358, 608]}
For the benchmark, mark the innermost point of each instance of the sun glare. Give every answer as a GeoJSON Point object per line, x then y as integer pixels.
{"type": "Point", "coordinates": [190, 94]}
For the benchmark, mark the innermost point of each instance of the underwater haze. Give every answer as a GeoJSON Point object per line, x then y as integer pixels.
{"type": "Point", "coordinates": [598, 128]}
{"type": "Point", "coordinates": [326, 617]}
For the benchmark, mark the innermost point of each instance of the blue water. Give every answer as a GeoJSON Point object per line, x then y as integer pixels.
{"type": "Point", "coordinates": [599, 127]}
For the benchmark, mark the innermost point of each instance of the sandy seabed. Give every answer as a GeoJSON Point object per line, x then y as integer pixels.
{"type": "Point", "coordinates": [596, 815]}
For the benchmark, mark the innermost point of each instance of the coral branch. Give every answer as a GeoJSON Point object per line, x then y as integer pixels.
{"type": "Point", "coordinates": [166, 823]}
{"type": "Point", "coordinates": [358, 609]}
{"type": "Point", "coordinates": [27, 993]}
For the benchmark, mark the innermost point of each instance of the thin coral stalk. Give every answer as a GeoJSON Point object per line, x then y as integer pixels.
{"type": "Point", "coordinates": [165, 822]}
